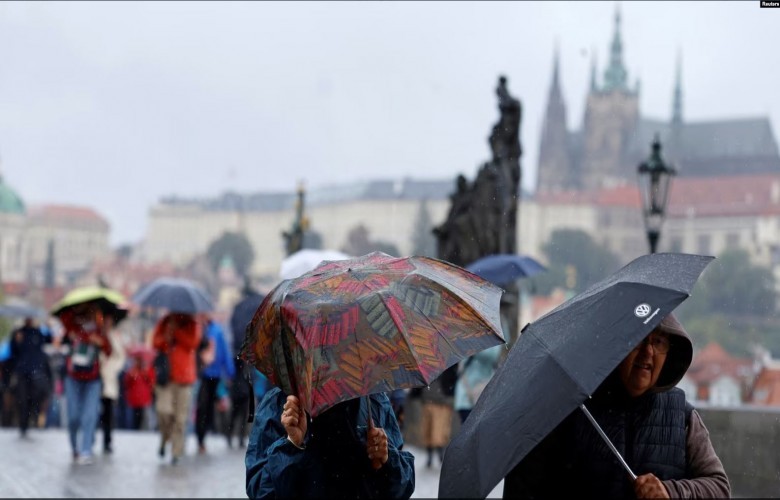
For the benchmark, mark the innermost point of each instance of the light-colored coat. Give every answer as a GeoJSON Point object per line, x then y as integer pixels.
{"type": "Point", "coordinates": [111, 366]}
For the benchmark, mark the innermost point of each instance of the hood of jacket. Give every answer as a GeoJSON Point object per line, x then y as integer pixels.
{"type": "Point", "coordinates": [679, 357]}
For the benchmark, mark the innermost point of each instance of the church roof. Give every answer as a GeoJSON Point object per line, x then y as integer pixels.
{"type": "Point", "coordinates": [372, 190]}
{"type": "Point", "coordinates": [10, 202]}
{"type": "Point", "coordinates": [718, 147]}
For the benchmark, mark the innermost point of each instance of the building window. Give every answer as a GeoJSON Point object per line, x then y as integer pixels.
{"type": "Point", "coordinates": [703, 244]}
{"type": "Point", "coordinates": [732, 241]}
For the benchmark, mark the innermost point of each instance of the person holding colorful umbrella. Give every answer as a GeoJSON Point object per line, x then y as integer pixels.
{"type": "Point", "coordinates": [87, 314]}
{"type": "Point", "coordinates": [334, 342]}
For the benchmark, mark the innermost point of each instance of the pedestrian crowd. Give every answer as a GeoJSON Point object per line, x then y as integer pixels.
{"type": "Point", "coordinates": [84, 376]}
{"type": "Point", "coordinates": [187, 378]}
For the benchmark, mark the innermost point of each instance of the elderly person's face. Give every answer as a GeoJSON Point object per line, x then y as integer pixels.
{"type": "Point", "coordinates": [640, 369]}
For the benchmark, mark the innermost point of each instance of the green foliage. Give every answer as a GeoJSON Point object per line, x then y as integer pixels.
{"type": "Point", "coordinates": [576, 262]}
{"type": "Point", "coordinates": [733, 304]}
{"type": "Point", "coordinates": [235, 245]}
{"type": "Point", "coordinates": [423, 241]}
{"type": "Point", "coordinates": [359, 243]}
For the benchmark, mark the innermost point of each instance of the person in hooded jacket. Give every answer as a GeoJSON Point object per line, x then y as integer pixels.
{"type": "Point", "coordinates": [335, 455]}
{"type": "Point", "coordinates": [658, 433]}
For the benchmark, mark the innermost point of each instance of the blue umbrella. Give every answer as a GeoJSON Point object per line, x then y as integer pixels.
{"type": "Point", "coordinates": [504, 268]}
{"type": "Point", "coordinates": [5, 350]}
{"type": "Point", "coordinates": [176, 295]}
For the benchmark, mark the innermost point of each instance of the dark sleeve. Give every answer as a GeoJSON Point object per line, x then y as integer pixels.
{"type": "Point", "coordinates": [707, 477]}
{"type": "Point", "coordinates": [396, 477]}
{"type": "Point", "coordinates": [275, 468]}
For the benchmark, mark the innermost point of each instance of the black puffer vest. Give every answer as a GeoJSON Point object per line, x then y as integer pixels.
{"type": "Point", "coordinates": [648, 431]}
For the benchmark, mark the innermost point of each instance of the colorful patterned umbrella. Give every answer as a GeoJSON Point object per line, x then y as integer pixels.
{"type": "Point", "coordinates": [370, 324]}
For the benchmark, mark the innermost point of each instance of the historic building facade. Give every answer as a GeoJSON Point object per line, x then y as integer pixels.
{"type": "Point", "coordinates": [47, 245]}
{"type": "Point", "coordinates": [181, 229]}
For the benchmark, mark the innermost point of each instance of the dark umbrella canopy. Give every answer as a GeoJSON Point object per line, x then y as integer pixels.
{"type": "Point", "coordinates": [242, 315]}
{"type": "Point", "coordinates": [557, 363]}
{"type": "Point", "coordinates": [21, 311]}
{"type": "Point", "coordinates": [505, 268]}
{"type": "Point", "coordinates": [176, 295]}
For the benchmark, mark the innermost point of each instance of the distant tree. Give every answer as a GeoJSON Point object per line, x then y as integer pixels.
{"type": "Point", "coordinates": [237, 246]}
{"type": "Point", "coordinates": [359, 243]}
{"type": "Point", "coordinates": [423, 240]}
{"type": "Point", "coordinates": [575, 262]}
{"type": "Point", "coordinates": [732, 285]}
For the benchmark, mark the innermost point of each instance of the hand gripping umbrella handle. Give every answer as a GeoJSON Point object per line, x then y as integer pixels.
{"type": "Point", "coordinates": [606, 440]}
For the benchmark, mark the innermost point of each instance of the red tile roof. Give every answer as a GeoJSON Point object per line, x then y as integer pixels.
{"type": "Point", "coordinates": [709, 196]}
{"type": "Point", "coordinates": [57, 213]}
{"type": "Point", "coordinates": [766, 390]}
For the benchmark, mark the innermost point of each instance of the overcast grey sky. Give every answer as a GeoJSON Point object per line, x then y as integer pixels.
{"type": "Point", "coordinates": [114, 104]}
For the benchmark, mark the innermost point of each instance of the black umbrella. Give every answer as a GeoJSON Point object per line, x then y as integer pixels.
{"type": "Point", "coordinates": [176, 295]}
{"type": "Point", "coordinates": [557, 363]}
{"type": "Point", "coordinates": [242, 314]}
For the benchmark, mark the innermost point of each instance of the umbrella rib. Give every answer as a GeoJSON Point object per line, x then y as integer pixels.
{"type": "Point", "coordinates": [405, 335]}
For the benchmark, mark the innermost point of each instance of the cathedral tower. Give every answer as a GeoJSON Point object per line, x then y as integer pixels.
{"type": "Point", "coordinates": [610, 121]}
{"type": "Point", "coordinates": [555, 166]}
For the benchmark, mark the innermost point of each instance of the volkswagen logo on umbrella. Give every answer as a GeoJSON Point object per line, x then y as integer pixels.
{"type": "Point", "coordinates": [642, 310]}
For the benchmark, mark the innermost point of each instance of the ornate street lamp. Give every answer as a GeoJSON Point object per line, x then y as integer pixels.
{"type": "Point", "coordinates": [654, 178]}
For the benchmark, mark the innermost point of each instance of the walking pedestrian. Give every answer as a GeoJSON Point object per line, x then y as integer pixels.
{"type": "Point", "coordinates": [85, 333]}
{"type": "Point", "coordinates": [110, 367]}
{"type": "Point", "coordinates": [30, 366]}
{"type": "Point", "coordinates": [139, 381]}
{"type": "Point", "coordinates": [176, 336]}
{"type": "Point", "coordinates": [218, 364]}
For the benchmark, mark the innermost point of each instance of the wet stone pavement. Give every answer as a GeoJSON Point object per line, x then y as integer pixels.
{"type": "Point", "coordinates": [41, 466]}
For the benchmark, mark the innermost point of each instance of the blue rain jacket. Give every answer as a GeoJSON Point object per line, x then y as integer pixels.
{"type": "Point", "coordinates": [335, 462]}
{"type": "Point", "coordinates": [223, 365]}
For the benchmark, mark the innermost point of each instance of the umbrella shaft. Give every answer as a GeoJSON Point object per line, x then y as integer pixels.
{"type": "Point", "coordinates": [606, 440]}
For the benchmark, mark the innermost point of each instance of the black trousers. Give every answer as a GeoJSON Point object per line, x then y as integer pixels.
{"type": "Point", "coordinates": [138, 418]}
{"type": "Point", "coordinates": [204, 414]}
{"type": "Point", "coordinates": [30, 393]}
{"type": "Point", "coordinates": [238, 415]}
{"type": "Point", "coordinates": [107, 420]}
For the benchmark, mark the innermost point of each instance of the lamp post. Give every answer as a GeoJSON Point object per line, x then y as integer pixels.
{"type": "Point", "coordinates": [655, 176]}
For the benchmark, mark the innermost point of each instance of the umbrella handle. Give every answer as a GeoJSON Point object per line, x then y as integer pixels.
{"type": "Point", "coordinates": [376, 464]}
{"type": "Point", "coordinates": [370, 422]}
{"type": "Point", "coordinates": [606, 440]}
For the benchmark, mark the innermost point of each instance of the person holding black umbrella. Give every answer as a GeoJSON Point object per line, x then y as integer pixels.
{"type": "Point", "coordinates": [659, 435]}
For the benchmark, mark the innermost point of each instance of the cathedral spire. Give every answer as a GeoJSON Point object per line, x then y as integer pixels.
{"type": "Point", "coordinates": [677, 102]}
{"type": "Point", "coordinates": [593, 71]}
{"type": "Point", "coordinates": [615, 75]}
{"type": "Point", "coordinates": [556, 76]}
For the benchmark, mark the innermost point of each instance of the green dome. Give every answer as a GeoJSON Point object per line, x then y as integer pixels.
{"type": "Point", "coordinates": [10, 203]}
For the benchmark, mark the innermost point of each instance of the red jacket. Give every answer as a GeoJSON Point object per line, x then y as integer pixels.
{"type": "Point", "coordinates": [83, 362]}
{"type": "Point", "coordinates": [139, 386]}
{"type": "Point", "coordinates": [178, 335]}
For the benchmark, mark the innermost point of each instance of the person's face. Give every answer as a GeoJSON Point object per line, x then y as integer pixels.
{"type": "Point", "coordinates": [639, 371]}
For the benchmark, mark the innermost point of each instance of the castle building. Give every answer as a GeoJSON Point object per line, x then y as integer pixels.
{"type": "Point", "coordinates": [615, 136]}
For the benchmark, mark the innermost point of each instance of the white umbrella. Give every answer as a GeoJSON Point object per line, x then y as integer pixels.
{"type": "Point", "coordinates": [305, 260]}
